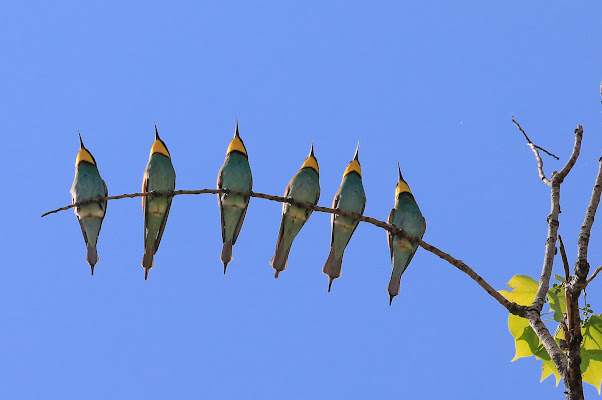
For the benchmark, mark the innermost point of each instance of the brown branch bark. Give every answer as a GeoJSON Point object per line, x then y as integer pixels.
{"type": "Point", "coordinates": [553, 223]}
{"type": "Point", "coordinates": [582, 266]}
{"type": "Point", "coordinates": [535, 150]}
{"type": "Point", "coordinates": [510, 306]}
{"type": "Point", "coordinates": [542, 332]}
{"type": "Point", "coordinates": [569, 369]}
{"type": "Point", "coordinates": [575, 285]}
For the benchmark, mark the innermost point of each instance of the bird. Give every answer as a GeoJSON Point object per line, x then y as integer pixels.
{"type": "Point", "coordinates": [87, 185]}
{"type": "Point", "coordinates": [352, 198]}
{"type": "Point", "coordinates": [159, 176]}
{"type": "Point", "coordinates": [235, 174]}
{"type": "Point", "coordinates": [405, 216]}
{"type": "Point", "coordinates": [304, 187]}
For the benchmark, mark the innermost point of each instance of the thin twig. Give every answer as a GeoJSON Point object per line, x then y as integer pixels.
{"type": "Point", "coordinates": [574, 155]}
{"type": "Point", "coordinates": [510, 306]}
{"type": "Point", "coordinates": [565, 260]}
{"type": "Point", "coordinates": [591, 278]}
{"type": "Point", "coordinates": [535, 149]}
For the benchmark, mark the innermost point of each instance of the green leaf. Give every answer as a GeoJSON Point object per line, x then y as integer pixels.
{"type": "Point", "coordinates": [548, 368]}
{"type": "Point", "coordinates": [526, 341]}
{"type": "Point", "coordinates": [557, 300]}
{"type": "Point", "coordinates": [524, 289]}
{"type": "Point", "coordinates": [591, 351]}
{"type": "Point", "coordinates": [559, 278]}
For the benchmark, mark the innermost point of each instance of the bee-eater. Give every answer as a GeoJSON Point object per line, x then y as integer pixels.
{"type": "Point", "coordinates": [87, 185]}
{"type": "Point", "coordinates": [406, 216]}
{"type": "Point", "coordinates": [235, 174]}
{"type": "Point", "coordinates": [159, 176]}
{"type": "Point", "coordinates": [305, 187]}
{"type": "Point", "coordinates": [350, 197]}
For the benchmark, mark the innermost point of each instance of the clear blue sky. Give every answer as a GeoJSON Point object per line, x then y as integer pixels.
{"type": "Point", "coordinates": [432, 85]}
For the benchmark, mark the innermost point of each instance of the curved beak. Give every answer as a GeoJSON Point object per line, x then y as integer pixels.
{"type": "Point", "coordinates": [399, 169]}
{"type": "Point", "coordinates": [357, 150]}
{"type": "Point", "coordinates": [156, 132]}
{"type": "Point", "coordinates": [311, 153]}
{"type": "Point", "coordinates": [236, 134]}
{"type": "Point", "coordinates": [81, 143]}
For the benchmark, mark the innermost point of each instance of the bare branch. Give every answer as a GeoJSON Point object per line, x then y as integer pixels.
{"type": "Point", "coordinates": [535, 149]}
{"type": "Point", "coordinates": [548, 259]}
{"type": "Point", "coordinates": [582, 266]}
{"type": "Point", "coordinates": [547, 340]}
{"type": "Point", "coordinates": [553, 223]}
{"type": "Point", "coordinates": [591, 278]}
{"type": "Point", "coordinates": [573, 159]}
{"type": "Point", "coordinates": [574, 381]}
{"type": "Point", "coordinates": [510, 306]}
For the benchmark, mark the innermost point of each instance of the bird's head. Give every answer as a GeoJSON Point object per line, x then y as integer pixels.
{"type": "Point", "coordinates": [311, 161]}
{"type": "Point", "coordinates": [402, 186]}
{"type": "Point", "coordinates": [354, 165]}
{"type": "Point", "coordinates": [159, 145]}
{"type": "Point", "coordinates": [83, 155]}
{"type": "Point", "coordinates": [237, 144]}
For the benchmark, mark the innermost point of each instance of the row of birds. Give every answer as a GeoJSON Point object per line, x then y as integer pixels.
{"type": "Point", "coordinates": [235, 174]}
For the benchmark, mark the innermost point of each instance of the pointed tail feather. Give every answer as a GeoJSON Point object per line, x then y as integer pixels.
{"type": "Point", "coordinates": [226, 256]}
{"type": "Point", "coordinates": [393, 287]}
{"type": "Point", "coordinates": [148, 261]}
{"type": "Point", "coordinates": [92, 257]}
{"type": "Point", "coordinates": [280, 260]}
{"type": "Point", "coordinates": [332, 267]}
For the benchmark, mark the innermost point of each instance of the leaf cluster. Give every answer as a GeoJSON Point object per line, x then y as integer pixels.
{"type": "Point", "coordinates": [528, 344]}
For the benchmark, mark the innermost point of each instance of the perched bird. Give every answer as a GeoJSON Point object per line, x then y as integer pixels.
{"type": "Point", "coordinates": [305, 187]}
{"type": "Point", "coordinates": [350, 197]}
{"type": "Point", "coordinates": [87, 185]}
{"type": "Point", "coordinates": [159, 176]}
{"type": "Point", "coordinates": [235, 174]}
{"type": "Point", "coordinates": [406, 216]}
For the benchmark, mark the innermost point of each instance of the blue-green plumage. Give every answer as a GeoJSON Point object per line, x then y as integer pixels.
{"type": "Point", "coordinates": [87, 185]}
{"type": "Point", "coordinates": [159, 176]}
{"type": "Point", "coordinates": [235, 174]}
{"type": "Point", "coordinates": [406, 216]}
{"type": "Point", "coordinates": [304, 187]}
{"type": "Point", "coordinates": [352, 198]}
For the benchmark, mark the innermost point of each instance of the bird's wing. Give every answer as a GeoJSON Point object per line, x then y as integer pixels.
{"type": "Point", "coordinates": [285, 206]}
{"type": "Point", "coordinates": [169, 199]}
{"type": "Point", "coordinates": [144, 204]}
{"type": "Point", "coordinates": [356, 225]}
{"type": "Point", "coordinates": [83, 231]}
{"type": "Point", "coordinates": [423, 226]}
{"type": "Point", "coordinates": [160, 233]}
{"type": "Point", "coordinates": [242, 217]}
{"type": "Point", "coordinates": [333, 217]}
{"type": "Point", "coordinates": [389, 234]}
{"type": "Point", "coordinates": [308, 211]}
{"type": "Point", "coordinates": [221, 206]}
{"type": "Point", "coordinates": [106, 195]}
{"type": "Point", "coordinates": [104, 209]}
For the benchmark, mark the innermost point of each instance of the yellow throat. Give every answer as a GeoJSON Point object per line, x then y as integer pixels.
{"type": "Point", "coordinates": [354, 166]}
{"type": "Point", "coordinates": [402, 187]}
{"type": "Point", "coordinates": [84, 155]}
{"type": "Point", "coordinates": [311, 162]}
{"type": "Point", "coordinates": [159, 147]}
{"type": "Point", "coordinates": [237, 145]}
